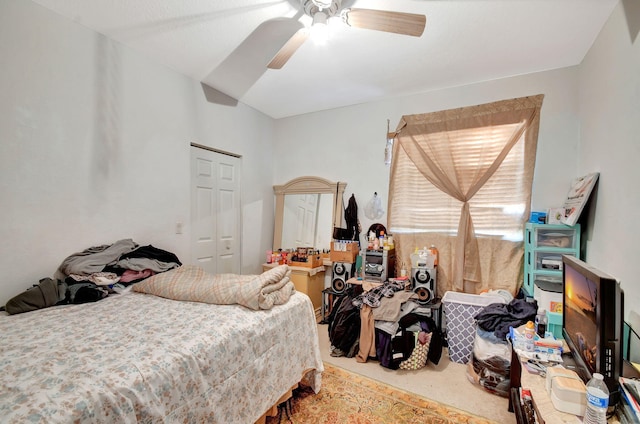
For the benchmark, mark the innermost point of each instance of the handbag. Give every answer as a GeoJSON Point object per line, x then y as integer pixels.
{"type": "Point", "coordinates": [418, 357]}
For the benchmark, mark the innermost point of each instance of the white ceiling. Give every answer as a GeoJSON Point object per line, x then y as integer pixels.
{"type": "Point", "coordinates": [227, 44]}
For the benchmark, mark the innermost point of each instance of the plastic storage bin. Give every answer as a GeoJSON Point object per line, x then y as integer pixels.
{"type": "Point", "coordinates": [544, 245]}
{"type": "Point", "coordinates": [459, 310]}
{"type": "Point", "coordinates": [548, 261]}
{"type": "Point", "coordinates": [555, 236]}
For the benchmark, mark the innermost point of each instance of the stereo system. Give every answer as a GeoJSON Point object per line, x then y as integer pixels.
{"type": "Point", "coordinates": [423, 280]}
{"type": "Point", "coordinates": [342, 271]}
{"type": "Point", "coordinates": [379, 265]}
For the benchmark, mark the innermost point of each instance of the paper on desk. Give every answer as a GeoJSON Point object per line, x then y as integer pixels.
{"type": "Point", "coordinates": [540, 356]}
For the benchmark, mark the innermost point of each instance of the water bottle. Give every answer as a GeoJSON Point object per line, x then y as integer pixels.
{"type": "Point", "coordinates": [541, 323]}
{"type": "Point", "coordinates": [597, 400]}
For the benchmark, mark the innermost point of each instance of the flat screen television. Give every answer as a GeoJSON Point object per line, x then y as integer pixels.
{"type": "Point", "coordinates": [592, 318]}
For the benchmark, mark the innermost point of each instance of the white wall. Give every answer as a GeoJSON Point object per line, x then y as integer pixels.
{"type": "Point", "coordinates": [590, 122]}
{"type": "Point", "coordinates": [94, 147]}
{"type": "Point", "coordinates": [348, 144]}
{"type": "Point", "coordinates": [610, 116]}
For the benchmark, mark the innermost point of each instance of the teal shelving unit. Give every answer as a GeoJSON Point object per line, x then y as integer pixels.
{"type": "Point", "coordinates": [544, 245]}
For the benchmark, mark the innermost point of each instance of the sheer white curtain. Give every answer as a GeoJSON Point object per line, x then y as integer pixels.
{"type": "Point", "coordinates": [461, 180]}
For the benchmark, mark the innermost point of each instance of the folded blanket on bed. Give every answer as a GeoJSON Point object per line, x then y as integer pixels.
{"type": "Point", "coordinates": [192, 283]}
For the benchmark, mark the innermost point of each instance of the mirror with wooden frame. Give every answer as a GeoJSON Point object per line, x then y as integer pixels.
{"type": "Point", "coordinates": [307, 209]}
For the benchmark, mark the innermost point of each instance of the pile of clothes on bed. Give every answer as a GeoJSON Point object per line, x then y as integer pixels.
{"type": "Point", "coordinates": [93, 274]}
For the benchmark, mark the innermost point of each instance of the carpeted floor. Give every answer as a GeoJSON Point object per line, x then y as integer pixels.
{"type": "Point", "coordinates": [446, 382]}
{"type": "Point", "coordinates": [349, 398]}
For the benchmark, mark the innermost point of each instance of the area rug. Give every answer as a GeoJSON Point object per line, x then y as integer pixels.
{"type": "Point", "coordinates": [349, 398]}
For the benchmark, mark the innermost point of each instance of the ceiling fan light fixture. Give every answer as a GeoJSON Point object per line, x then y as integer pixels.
{"type": "Point", "coordinates": [344, 14]}
{"type": "Point", "coordinates": [326, 12]}
{"type": "Point", "coordinates": [319, 28]}
{"type": "Point", "coordinates": [322, 4]}
{"type": "Point", "coordinates": [320, 18]}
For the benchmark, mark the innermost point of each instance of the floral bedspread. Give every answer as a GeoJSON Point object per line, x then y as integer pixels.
{"type": "Point", "coordinates": [142, 358]}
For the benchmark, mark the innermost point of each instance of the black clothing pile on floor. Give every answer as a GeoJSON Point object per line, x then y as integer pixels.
{"type": "Point", "coordinates": [392, 350]}
{"type": "Point", "coordinates": [344, 324]}
{"type": "Point", "coordinates": [498, 317]}
{"type": "Point", "coordinates": [395, 341]}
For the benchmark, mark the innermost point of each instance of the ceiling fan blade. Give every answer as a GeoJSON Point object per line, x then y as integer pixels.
{"type": "Point", "coordinates": [382, 20]}
{"type": "Point", "coordinates": [239, 71]}
{"type": "Point", "coordinates": [290, 47]}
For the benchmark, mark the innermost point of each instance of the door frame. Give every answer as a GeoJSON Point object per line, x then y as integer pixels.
{"type": "Point", "coordinates": [240, 222]}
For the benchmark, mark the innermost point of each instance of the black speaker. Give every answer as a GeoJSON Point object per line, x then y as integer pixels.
{"type": "Point", "coordinates": [424, 284]}
{"type": "Point", "coordinates": [342, 271]}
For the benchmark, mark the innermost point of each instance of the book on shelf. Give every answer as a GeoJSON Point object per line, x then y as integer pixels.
{"type": "Point", "coordinates": [626, 414]}
{"type": "Point", "coordinates": [630, 390]}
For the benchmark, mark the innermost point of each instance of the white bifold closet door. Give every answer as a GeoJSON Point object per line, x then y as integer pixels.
{"type": "Point", "coordinates": [215, 211]}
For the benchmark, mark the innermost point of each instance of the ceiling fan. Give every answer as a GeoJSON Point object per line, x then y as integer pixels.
{"type": "Point", "coordinates": [321, 10]}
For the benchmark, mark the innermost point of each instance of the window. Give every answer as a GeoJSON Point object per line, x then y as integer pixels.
{"type": "Point", "coordinates": [461, 179]}
{"type": "Point", "coordinates": [497, 207]}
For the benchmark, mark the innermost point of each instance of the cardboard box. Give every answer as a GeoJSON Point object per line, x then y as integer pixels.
{"type": "Point", "coordinates": [344, 251]}
{"type": "Point", "coordinates": [313, 261]}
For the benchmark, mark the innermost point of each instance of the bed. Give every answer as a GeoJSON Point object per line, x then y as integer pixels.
{"type": "Point", "coordinates": [135, 357]}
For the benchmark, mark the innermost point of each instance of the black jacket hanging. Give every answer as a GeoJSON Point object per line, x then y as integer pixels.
{"type": "Point", "coordinates": [351, 217]}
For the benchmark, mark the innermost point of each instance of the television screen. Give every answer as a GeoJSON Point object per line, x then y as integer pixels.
{"type": "Point", "coordinates": [580, 315]}
{"type": "Point", "coordinates": [592, 315]}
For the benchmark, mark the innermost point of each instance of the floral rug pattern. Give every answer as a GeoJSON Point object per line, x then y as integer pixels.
{"type": "Point", "coordinates": [348, 398]}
